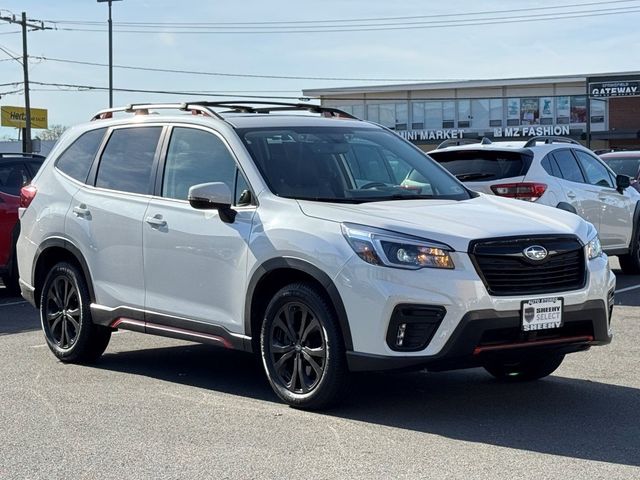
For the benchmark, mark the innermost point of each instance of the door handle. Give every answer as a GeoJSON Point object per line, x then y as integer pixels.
{"type": "Point", "coordinates": [81, 211]}
{"type": "Point", "coordinates": [571, 195]}
{"type": "Point", "coordinates": [156, 221]}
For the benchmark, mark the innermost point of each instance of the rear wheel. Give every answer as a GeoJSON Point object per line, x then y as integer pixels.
{"type": "Point", "coordinates": [66, 317]}
{"type": "Point", "coordinates": [302, 348]}
{"type": "Point", "coordinates": [630, 263]}
{"type": "Point", "coordinates": [531, 368]}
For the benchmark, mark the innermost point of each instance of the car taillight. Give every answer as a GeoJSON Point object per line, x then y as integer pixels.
{"type": "Point", "coordinates": [522, 191]}
{"type": "Point", "coordinates": [27, 194]}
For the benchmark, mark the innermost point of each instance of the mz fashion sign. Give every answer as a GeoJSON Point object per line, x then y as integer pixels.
{"type": "Point", "coordinates": [615, 89]}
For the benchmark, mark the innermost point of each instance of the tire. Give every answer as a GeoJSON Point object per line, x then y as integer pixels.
{"type": "Point", "coordinates": [532, 368]}
{"type": "Point", "coordinates": [66, 318]}
{"type": "Point", "coordinates": [630, 263]}
{"type": "Point", "coordinates": [302, 348]}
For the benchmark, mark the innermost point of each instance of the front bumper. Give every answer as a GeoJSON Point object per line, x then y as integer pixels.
{"type": "Point", "coordinates": [485, 334]}
{"type": "Point", "coordinates": [371, 293]}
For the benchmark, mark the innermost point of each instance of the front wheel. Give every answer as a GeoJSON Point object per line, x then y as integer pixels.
{"type": "Point", "coordinates": [630, 263]}
{"type": "Point", "coordinates": [302, 348]}
{"type": "Point", "coordinates": [527, 369]}
{"type": "Point", "coordinates": [66, 318]}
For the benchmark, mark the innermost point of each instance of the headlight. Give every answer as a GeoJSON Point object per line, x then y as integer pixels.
{"type": "Point", "coordinates": [594, 249]}
{"type": "Point", "coordinates": [380, 247]}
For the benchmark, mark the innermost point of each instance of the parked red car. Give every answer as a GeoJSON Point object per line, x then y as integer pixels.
{"type": "Point", "coordinates": [625, 163]}
{"type": "Point", "coordinates": [16, 170]}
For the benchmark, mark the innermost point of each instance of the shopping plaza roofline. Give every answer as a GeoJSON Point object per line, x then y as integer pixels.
{"type": "Point", "coordinates": [487, 83]}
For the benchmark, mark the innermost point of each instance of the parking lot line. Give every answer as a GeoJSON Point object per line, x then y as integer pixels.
{"type": "Point", "coordinates": [626, 289]}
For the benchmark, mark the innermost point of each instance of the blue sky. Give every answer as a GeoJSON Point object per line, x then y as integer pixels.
{"type": "Point", "coordinates": [581, 45]}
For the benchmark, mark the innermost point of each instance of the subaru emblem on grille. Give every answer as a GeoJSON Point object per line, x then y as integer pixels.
{"type": "Point", "coordinates": [535, 252]}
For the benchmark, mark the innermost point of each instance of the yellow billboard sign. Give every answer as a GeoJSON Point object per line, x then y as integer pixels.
{"type": "Point", "coordinates": [17, 117]}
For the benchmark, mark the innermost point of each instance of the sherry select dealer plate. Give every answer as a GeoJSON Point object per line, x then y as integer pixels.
{"type": "Point", "coordinates": [542, 313]}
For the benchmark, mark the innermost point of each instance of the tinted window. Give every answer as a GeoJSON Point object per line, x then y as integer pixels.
{"type": "Point", "coordinates": [127, 162]}
{"type": "Point", "coordinates": [77, 159]}
{"type": "Point", "coordinates": [481, 165]}
{"type": "Point", "coordinates": [194, 157]}
{"type": "Point", "coordinates": [13, 176]}
{"type": "Point", "coordinates": [550, 166]}
{"type": "Point", "coordinates": [345, 164]}
{"type": "Point", "coordinates": [568, 165]}
{"type": "Point", "coordinates": [596, 173]}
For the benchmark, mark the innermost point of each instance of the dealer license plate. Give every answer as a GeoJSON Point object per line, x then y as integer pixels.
{"type": "Point", "coordinates": [541, 314]}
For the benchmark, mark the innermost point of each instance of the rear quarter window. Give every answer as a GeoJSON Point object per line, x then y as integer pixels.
{"type": "Point", "coordinates": [483, 165]}
{"type": "Point", "coordinates": [76, 160]}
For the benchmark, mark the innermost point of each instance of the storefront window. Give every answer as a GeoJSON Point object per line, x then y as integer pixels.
{"type": "Point", "coordinates": [513, 111]}
{"type": "Point", "coordinates": [562, 110]}
{"type": "Point", "coordinates": [480, 113]}
{"type": "Point", "coordinates": [495, 113]}
{"type": "Point", "coordinates": [448, 114]}
{"type": "Point", "coordinates": [402, 116]}
{"type": "Point", "coordinates": [417, 115]}
{"type": "Point", "coordinates": [358, 111]}
{"type": "Point", "coordinates": [597, 110]}
{"type": "Point", "coordinates": [373, 113]}
{"type": "Point", "coordinates": [578, 109]}
{"type": "Point", "coordinates": [388, 115]}
{"type": "Point", "coordinates": [529, 111]}
{"type": "Point", "coordinates": [433, 115]}
{"type": "Point", "coordinates": [464, 113]}
{"type": "Point", "coordinates": [546, 110]}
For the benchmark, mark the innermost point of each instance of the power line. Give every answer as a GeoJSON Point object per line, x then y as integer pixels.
{"type": "Point", "coordinates": [388, 27]}
{"type": "Point", "coordinates": [242, 75]}
{"type": "Point", "coordinates": [296, 22]}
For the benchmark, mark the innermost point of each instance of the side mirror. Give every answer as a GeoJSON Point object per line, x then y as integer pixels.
{"type": "Point", "coordinates": [213, 196]}
{"type": "Point", "coordinates": [622, 182]}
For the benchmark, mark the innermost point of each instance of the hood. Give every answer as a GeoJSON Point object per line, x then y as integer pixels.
{"type": "Point", "coordinates": [455, 223]}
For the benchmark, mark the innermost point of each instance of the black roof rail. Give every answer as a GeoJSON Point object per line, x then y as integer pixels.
{"type": "Point", "coordinates": [549, 140]}
{"type": "Point", "coordinates": [238, 106]}
{"type": "Point", "coordinates": [21, 155]}
{"type": "Point", "coordinates": [458, 141]}
{"type": "Point", "coordinates": [249, 106]}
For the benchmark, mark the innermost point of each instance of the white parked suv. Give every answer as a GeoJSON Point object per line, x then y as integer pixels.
{"type": "Point", "coordinates": [300, 238]}
{"type": "Point", "coordinates": [558, 172]}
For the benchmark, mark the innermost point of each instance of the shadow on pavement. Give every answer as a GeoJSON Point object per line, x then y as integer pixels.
{"type": "Point", "coordinates": [16, 315]}
{"type": "Point", "coordinates": [629, 298]}
{"type": "Point", "coordinates": [558, 416]}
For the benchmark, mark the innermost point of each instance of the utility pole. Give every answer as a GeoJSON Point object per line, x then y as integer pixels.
{"type": "Point", "coordinates": [26, 132]}
{"type": "Point", "coordinates": [110, 23]}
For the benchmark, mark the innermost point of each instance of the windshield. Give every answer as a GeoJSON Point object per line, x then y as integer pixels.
{"type": "Point", "coordinates": [629, 166]}
{"type": "Point", "coordinates": [346, 165]}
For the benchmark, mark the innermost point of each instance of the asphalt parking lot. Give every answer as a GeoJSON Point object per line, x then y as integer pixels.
{"type": "Point", "coordinates": [162, 408]}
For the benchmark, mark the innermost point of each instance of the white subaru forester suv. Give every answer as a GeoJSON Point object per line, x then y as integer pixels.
{"type": "Point", "coordinates": [299, 237]}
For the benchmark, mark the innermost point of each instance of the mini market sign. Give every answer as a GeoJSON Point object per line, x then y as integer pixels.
{"type": "Point", "coordinates": [17, 117]}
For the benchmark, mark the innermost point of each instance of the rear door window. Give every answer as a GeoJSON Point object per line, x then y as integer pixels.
{"type": "Point", "coordinates": [76, 160]}
{"type": "Point", "coordinates": [483, 165]}
{"type": "Point", "coordinates": [569, 168]}
{"type": "Point", "coordinates": [127, 161]}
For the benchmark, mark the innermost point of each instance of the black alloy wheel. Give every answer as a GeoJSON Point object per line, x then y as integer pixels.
{"type": "Point", "coordinates": [302, 348]}
{"type": "Point", "coordinates": [298, 347]}
{"type": "Point", "coordinates": [66, 317]}
{"type": "Point", "coordinates": [62, 312]}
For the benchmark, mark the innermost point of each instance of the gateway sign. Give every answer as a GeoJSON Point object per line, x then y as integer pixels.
{"type": "Point", "coordinates": [614, 89]}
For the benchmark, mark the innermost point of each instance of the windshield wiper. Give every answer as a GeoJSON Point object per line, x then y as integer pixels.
{"type": "Point", "coordinates": [473, 176]}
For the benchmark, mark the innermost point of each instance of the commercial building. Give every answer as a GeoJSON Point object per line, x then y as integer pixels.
{"type": "Point", "coordinates": [601, 111]}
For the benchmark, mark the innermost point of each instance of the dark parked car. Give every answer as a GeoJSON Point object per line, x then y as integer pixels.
{"type": "Point", "coordinates": [625, 163]}
{"type": "Point", "coordinates": [16, 170]}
